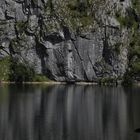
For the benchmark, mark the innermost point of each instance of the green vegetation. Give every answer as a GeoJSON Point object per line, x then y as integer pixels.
{"type": "Point", "coordinates": [129, 21]}
{"type": "Point", "coordinates": [121, 19]}
{"type": "Point", "coordinates": [136, 67]}
{"type": "Point", "coordinates": [136, 5]}
{"type": "Point", "coordinates": [75, 14]}
{"type": "Point", "coordinates": [133, 72]}
{"type": "Point", "coordinates": [20, 72]}
{"type": "Point", "coordinates": [108, 81]}
{"type": "Point", "coordinates": [117, 48]}
{"type": "Point", "coordinates": [40, 78]}
{"type": "Point", "coordinates": [21, 26]}
{"type": "Point", "coordinates": [127, 79]}
{"type": "Point", "coordinates": [17, 72]}
{"type": "Point", "coordinates": [4, 68]}
{"type": "Point", "coordinates": [134, 48]}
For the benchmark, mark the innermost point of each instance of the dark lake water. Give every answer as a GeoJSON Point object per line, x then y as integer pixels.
{"type": "Point", "coordinates": [71, 112]}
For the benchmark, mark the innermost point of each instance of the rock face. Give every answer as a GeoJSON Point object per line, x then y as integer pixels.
{"type": "Point", "coordinates": [61, 53]}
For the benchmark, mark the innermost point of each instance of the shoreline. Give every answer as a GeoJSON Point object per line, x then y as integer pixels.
{"type": "Point", "coordinates": [50, 83]}
{"type": "Point", "coordinates": [63, 83]}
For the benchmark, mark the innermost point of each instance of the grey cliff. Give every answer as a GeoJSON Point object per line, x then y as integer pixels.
{"type": "Point", "coordinates": [63, 54]}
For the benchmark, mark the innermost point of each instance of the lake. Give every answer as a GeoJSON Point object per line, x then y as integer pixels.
{"type": "Point", "coordinates": [69, 112]}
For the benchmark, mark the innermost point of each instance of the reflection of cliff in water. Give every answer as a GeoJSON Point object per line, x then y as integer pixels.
{"type": "Point", "coordinates": [68, 113]}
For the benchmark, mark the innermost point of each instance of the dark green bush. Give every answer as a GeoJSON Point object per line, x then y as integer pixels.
{"type": "Point", "coordinates": [4, 68]}
{"type": "Point", "coordinates": [108, 81]}
{"type": "Point", "coordinates": [24, 73]}
{"type": "Point", "coordinates": [128, 79]}
{"type": "Point", "coordinates": [21, 73]}
{"type": "Point", "coordinates": [136, 5]}
{"type": "Point", "coordinates": [39, 78]}
{"type": "Point", "coordinates": [133, 74]}
{"type": "Point", "coordinates": [130, 20]}
{"type": "Point", "coordinates": [136, 68]}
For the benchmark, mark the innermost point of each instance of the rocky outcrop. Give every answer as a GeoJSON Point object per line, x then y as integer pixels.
{"type": "Point", "coordinates": [45, 42]}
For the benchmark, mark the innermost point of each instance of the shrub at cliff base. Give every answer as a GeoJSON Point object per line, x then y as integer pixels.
{"type": "Point", "coordinates": [11, 70]}
{"type": "Point", "coordinates": [20, 73]}
{"type": "Point", "coordinates": [4, 68]}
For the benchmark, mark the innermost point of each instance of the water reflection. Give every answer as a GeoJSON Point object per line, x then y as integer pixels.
{"type": "Point", "coordinates": [69, 113]}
